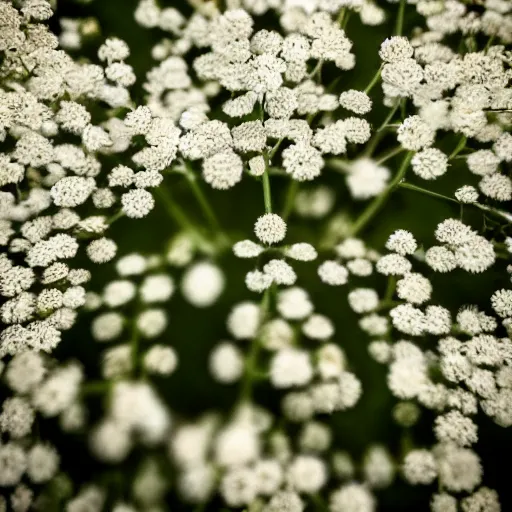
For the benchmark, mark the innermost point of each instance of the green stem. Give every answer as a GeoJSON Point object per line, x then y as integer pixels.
{"type": "Point", "coordinates": [95, 387]}
{"type": "Point", "coordinates": [499, 213]}
{"type": "Point", "coordinates": [460, 146]}
{"type": "Point", "coordinates": [251, 363]}
{"type": "Point", "coordinates": [317, 70]}
{"type": "Point", "coordinates": [134, 345]}
{"type": "Point", "coordinates": [374, 80]}
{"type": "Point", "coordinates": [341, 15]}
{"type": "Point", "coordinates": [410, 186]}
{"type": "Point", "coordinates": [390, 154]}
{"type": "Point", "coordinates": [379, 133]}
{"type": "Point", "coordinates": [267, 196]}
{"type": "Point", "coordinates": [400, 18]}
{"type": "Point", "coordinates": [380, 200]}
{"type": "Point", "coordinates": [387, 304]}
{"type": "Point", "coordinates": [273, 151]}
{"type": "Point", "coordinates": [319, 503]}
{"type": "Point", "coordinates": [115, 217]}
{"type": "Point", "coordinates": [389, 117]}
{"type": "Point", "coordinates": [289, 202]}
{"type": "Point", "coordinates": [390, 290]}
{"type": "Point", "coordinates": [344, 22]}
{"type": "Point", "coordinates": [203, 202]}
{"type": "Point", "coordinates": [489, 43]}
{"type": "Point", "coordinates": [340, 165]}
{"type": "Point", "coordinates": [179, 216]}
{"type": "Point", "coordinates": [403, 108]}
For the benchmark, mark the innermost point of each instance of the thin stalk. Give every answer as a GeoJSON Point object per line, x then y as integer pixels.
{"type": "Point", "coordinates": [389, 117]}
{"type": "Point", "coordinates": [379, 133]}
{"type": "Point", "coordinates": [403, 108]}
{"type": "Point", "coordinates": [400, 18]}
{"type": "Point", "coordinates": [180, 217]}
{"type": "Point", "coordinates": [289, 201]}
{"type": "Point", "coordinates": [387, 304]}
{"type": "Point", "coordinates": [390, 154]}
{"type": "Point", "coordinates": [317, 70]}
{"type": "Point", "coordinates": [381, 199]}
{"type": "Point", "coordinates": [175, 211]}
{"type": "Point", "coordinates": [499, 213]}
{"type": "Point", "coordinates": [95, 387]}
{"type": "Point", "coordinates": [134, 347]}
{"type": "Point", "coordinates": [273, 151]}
{"type": "Point", "coordinates": [203, 203]}
{"type": "Point", "coordinates": [341, 15]}
{"type": "Point", "coordinates": [340, 165]}
{"type": "Point", "coordinates": [252, 358]}
{"type": "Point", "coordinates": [460, 146]}
{"type": "Point", "coordinates": [390, 289]}
{"type": "Point", "coordinates": [425, 191]}
{"type": "Point", "coordinates": [267, 195]}
{"type": "Point", "coordinates": [267, 198]}
{"type": "Point", "coordinates": [489, 43]}
{"type": "Point", "coordinates": [374, 80]}
{"type": "Point", "coordinates": [344, 23]}
{"type": "Point", "coordinates": [115, 217]}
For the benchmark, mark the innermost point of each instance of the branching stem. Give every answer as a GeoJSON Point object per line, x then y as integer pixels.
{"type": "Point", "coordinates": [203, 202]}
{"type": "Point", "coordinates": [499, 213]}
{"type": "Point", "coordinates": [373, 81]}
{"type": "Point", "coordinates": [381, 199]}
{"type": "Point", "coordinates": [460, 146]}
{"type": "Point", "coordinates": [180, 217]}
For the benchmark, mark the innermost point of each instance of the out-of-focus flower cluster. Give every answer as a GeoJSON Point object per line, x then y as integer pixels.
{"type": "Point", "coordinates": [253, 91]}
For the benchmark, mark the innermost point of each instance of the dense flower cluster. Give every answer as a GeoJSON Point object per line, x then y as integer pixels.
{"type": "Point", "coordinates": [244, 92]}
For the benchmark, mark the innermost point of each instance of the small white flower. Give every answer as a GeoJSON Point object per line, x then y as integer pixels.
{"type": "Point", "coordinates": [270, 228]}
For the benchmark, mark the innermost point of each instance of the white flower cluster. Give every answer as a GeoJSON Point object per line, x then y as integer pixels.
{"type": "Point", "coordinates": [258, 68]}
{"type": "Point", "coordinates": [258, 464]}
{"type": "Point", "coordinates": [261, 89]}
{"type": "Point", "coordinates": [352, 258]}
{"type": "Point", "coordinates": [468, 371]}
{"type": "Point", "coordinates": [42, 225]}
